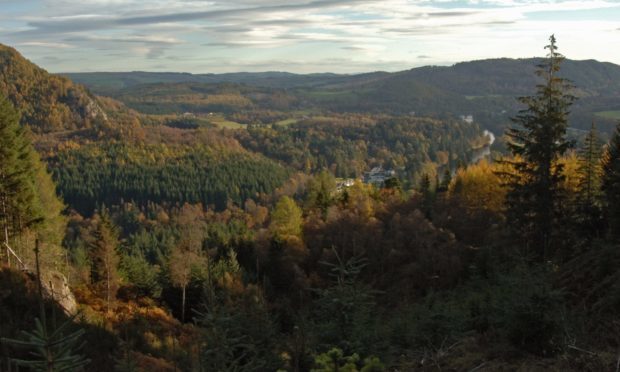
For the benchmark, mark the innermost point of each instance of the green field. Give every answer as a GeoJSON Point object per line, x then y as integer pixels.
{"type": "Point", "coordinates": [288, 121]}
{"type": "Point", "coordinates": [222, 122]}
{"type": "Point", "coordinates": [609, 114]}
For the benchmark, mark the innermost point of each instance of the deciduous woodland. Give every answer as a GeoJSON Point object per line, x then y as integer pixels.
{"type": "Point", "coordinates": [311, 223]}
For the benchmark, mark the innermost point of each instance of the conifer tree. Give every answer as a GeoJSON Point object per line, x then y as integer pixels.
{"type": "Point", "coordinates": [611, 183]}
{"type": "Point", "coordinates": [51, 351]}
{"type": "Point", "coordinates": [18, 207]}
{"type": "Point", "coordinates": [589, 192]}
{"type": "Point", "coordinates": [589, 168]}
{"type": "Point", "coordinates": [427, 195]}
{"type": "Point", "coordinates": [537, 141]}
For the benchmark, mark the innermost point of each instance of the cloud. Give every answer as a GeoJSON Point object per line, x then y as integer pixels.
{"type": "Point", "coordinates": [373, 33]}
{"type": "Point", "coordinates": [146, 39]}
{"type": "Point", "coordinates": [45, 44]}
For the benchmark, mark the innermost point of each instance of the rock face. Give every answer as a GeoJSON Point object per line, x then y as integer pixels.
{"type": "Point", "coordinates": [55, 287]}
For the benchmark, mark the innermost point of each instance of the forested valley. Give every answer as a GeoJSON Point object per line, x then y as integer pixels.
{"type": "Point", "coordinates": [276, 222]}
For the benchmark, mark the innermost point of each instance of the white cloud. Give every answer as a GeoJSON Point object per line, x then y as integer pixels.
{"type": "Point", "coordinates": [255, 32]}
{"type": "Point", "coordinates": [44, 44]}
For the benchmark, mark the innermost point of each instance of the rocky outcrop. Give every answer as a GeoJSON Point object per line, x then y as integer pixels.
{"type": "Point", "coordinates": [56, 288]}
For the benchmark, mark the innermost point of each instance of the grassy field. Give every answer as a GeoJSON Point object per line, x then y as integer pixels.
{"type": "Point", "coordinates": [222, 122]}
{"type": "Point", "coordinates": [609, 114]}
{"type": "Point", "coordinates": [288, 121]}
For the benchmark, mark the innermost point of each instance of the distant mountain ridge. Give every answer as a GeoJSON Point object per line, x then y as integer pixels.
{"type": "Point", "coordinates": [486, 89]}
{"type": "Point", "coordinates": [489, 76]}
{"type": "Point", "coordinates": [47, 102]}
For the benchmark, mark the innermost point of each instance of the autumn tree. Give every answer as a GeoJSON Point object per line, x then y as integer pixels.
{"type": "Point", "coordinates": [537, 140]}
{"type": "Point", "coordinates": [286, 219]}
{"type": "Point", "coordinates": [186, 255]}
{"type": "Point", "coordinates": [105, 258]}
{"type": "Point", "coordinates": [474, 202]}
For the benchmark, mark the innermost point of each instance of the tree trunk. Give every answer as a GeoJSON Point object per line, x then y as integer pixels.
{"type": "Point", "coordinates": [183, 305]}
{"type": "Point", "coordinates": [108, 286]}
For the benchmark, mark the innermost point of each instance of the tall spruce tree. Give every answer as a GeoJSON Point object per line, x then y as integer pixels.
{"type": "Point", "coordinates": [611, 184]}
{"type": "Point", "coordinates": [537, 141]}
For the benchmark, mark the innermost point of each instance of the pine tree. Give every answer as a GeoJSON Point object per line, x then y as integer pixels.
{"type": "Point", "coordinates": [589, 168]}
{"type": "Point", "coordinates": [52, 351]}
{"type": "Point", "coordinates": [611, 184]}
{"type": "Point", "coordinates": [427, 195]}
{"type": "Point", "coordinates": [589, 192]}
{"type": "Point", "coordinates": [28, 201]}
{"type": "Point", "coordinates": [537, 142]}
{"type": "Point", "coordinates": [18, 198]}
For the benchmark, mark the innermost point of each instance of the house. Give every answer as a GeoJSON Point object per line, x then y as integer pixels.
{"type": "Point", "coordinates": [377, 176]}
{"type": "Point", "coordinates": [341, 184]}
{"type": "Point", "coordinates": [467, 118]}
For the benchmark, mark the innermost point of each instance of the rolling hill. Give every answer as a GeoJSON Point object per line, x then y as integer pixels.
{"type": "Point", "coordinates": [48, 103]}
{"type": "Point", "coordinates": [485, 89]}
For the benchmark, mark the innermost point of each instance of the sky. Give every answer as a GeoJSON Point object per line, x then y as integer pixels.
{"type": "Point", "coordinates": [301, 36]}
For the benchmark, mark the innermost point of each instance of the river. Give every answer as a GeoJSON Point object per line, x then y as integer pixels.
{"type": "Point", "coordinates": [484, 151]}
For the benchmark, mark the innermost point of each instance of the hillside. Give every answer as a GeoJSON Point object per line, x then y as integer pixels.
{"type": "Point", "coordinates": [485, 89]}
{"type": "Point", "coordinates": [47, 102]}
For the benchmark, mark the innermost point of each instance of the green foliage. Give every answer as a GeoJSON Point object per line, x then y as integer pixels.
{"type": "Point", "coordinates": [537, 141]}
{"type": "Point", "coordinates": [334, 361]}
{"type": "Point", "coordinates": [348, 145]}
{"type": "Point", "coordinates": [143, 276]}
{"type": "Point", "coordinates": [518, 308]}
{"type": "Point", "coordinates": [28, 203]}
{"type": "Point", "coordinates": [528, 311]}
{"type": "Point", "coordinates": [611, 183]}
{"type": "Point", "coordinates": [20, 208]}
{"type": "Point", "coordinates": [427, 195]}
{"type": "Point", "coordinates": [344, 311]}
{"type": "Point", "coordinates": [589, 203]}
{"type": "Point", "coordinates": [108, 173]}
{"type": "Point", "coordinates": [589, 168]}
{"type": "Point", "coordinates": [52, 351]}
{"type": "Point", "coordinates": [238, 335]}
{"type": "Point", "coordinates": [320, 191]}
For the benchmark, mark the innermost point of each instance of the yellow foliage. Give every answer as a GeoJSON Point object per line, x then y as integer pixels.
{"type": "Point", "coordinates": [360, 199]}
{"type": "Point", "coordinates": [570, 162]}
{"type": "Point", "coordinates": [478, 187]}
